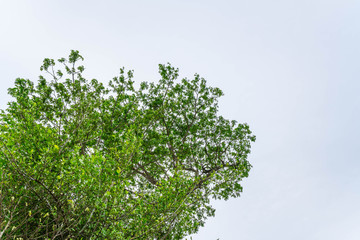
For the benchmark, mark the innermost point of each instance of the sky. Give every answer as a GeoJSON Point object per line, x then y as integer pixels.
{"type": "Point", "coordinates": [290, 69]}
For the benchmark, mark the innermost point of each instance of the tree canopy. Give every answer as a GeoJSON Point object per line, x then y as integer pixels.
{"type": "Point", "coordinates": [81, 160]}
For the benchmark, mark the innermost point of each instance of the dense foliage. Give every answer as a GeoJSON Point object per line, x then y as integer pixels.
{"type": "Point", "coordinates": [80, 160]}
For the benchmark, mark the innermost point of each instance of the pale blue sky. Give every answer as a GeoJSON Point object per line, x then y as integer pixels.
{"type": "Point", "coordinates": [288, 68]}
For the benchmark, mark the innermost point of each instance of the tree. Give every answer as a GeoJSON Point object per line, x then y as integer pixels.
{"type": "Point", "coordinates": [79, 160]}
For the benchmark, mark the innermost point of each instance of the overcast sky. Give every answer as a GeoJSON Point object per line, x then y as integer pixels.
{"type": "Point", "coordinates": [290, 69]}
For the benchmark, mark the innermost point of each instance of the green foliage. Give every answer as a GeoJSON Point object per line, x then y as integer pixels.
{"type": "Point", "coordinates": [79, 160]}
